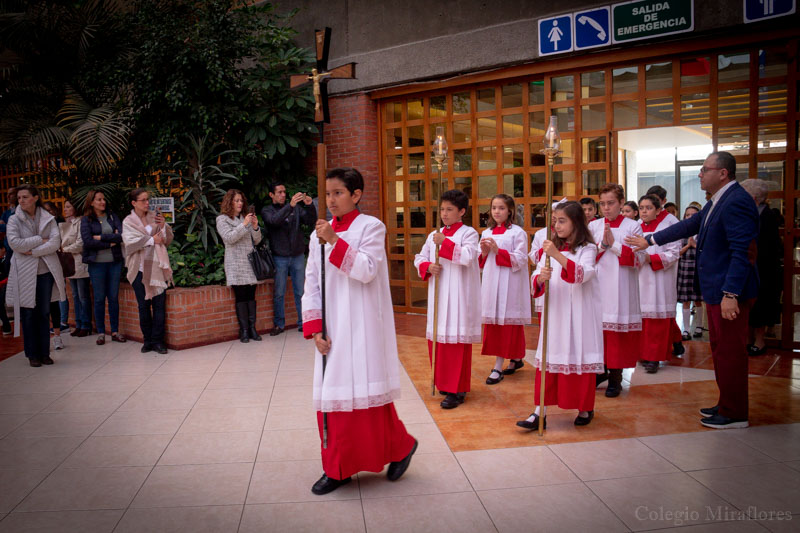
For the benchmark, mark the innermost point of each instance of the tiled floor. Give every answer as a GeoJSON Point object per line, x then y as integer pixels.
{"type": "Point", "coordinates": [223, 439]}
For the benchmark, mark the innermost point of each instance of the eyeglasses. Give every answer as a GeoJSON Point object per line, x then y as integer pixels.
{"type": "Point", "coordinates": [703, 170]}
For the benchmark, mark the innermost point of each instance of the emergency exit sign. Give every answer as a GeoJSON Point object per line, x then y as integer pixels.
{"type": "Point", "coordinates": [645, 19]}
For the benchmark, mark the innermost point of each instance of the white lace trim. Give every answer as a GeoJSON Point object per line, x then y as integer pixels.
{"type": "Point", "coordinates": [349, 260]}
{"type": "Point", "coordinates": [505, 321]}
{"type": "Point", "coordinates": [351, 404]}
{"type": "Point", "coordinates": [586, 368]}
{"type": "Point", "coordinates": [658, 314]}
{"type": "Point", "coordinates": [614, 326]}
{"type": "Point", "coordinates": [456, 254]}
{"type": "Point", "coordinates": [578, 274]}
{"type": "Point", "coordinates": [455, 339]}
{"type": "Point", "coordinates": [312, 314]}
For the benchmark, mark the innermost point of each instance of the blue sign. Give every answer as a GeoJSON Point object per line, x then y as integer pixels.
{"type": "Point", "coordinates": [756, 10]}
{"type": "Point", "coordinates": [592, 28]}
{"type": "Point", "coordinates": [555, 35]}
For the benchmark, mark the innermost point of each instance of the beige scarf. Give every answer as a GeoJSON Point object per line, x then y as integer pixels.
{"type": "Point", "coordinates": [156, 271]}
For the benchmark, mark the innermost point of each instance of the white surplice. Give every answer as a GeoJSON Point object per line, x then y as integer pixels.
{"type": "Point", "coordinates": [362, 367]}
{"type": "Point", "coordinates": [658, 291]}
{"type": "Point", "coordinates": [459, 286]}
{"type": "Point", "coordinates": [617, 270]}
{"type": "Point", "coordinates": [504, 289]}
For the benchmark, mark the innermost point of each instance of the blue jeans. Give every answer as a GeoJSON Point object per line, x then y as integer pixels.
{"type": "Point", "coordinates": [295, 267]}
{"type": "Point", "coordinates": [80, 300]}
{"type": "Point", "coordinates": [64, 308]}
{"type": "Point", "coordinates": [35, 321]}
{"type": "Point", "coordinates": [105, 282]}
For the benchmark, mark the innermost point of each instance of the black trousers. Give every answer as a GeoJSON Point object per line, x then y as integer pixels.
{"type": "Point", "coordinates": [35, 321]}
{"type": "Point", "coordinates": [244, 293]}
{"type": "Point", "coordinates": [152, 313]}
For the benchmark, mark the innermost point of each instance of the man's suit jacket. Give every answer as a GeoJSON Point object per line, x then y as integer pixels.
{"type": "Point", "coordinates": [726, 245]}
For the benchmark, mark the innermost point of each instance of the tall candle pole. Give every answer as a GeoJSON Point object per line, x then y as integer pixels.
{"type": "Point", "coordinates": [439, 150]}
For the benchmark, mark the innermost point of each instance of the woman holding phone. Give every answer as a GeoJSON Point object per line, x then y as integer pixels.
{"type": "Point", "coordinates": [240, 232]}
{"type": "Point", "coordinates": [146, 237]}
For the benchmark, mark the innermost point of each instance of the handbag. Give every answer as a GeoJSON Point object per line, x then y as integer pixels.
{"type": "Point", "coordinates": [67, 263]}
{"type": "Point", "coordinates": [261, 260]}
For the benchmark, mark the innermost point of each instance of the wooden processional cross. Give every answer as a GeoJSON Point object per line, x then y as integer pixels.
{"type": "Point", "coordinates": [319, 78]}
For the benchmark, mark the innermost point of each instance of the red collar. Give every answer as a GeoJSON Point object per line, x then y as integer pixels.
{"type": "Point", "coordinates": [564, 247]}
{"type": "Point", "coordinates": [653, 224]}
{"type": "Point", "coordinates": [451, 230]}
{"type": "Point", "coordinates": [343, 223]}
{"type": "Point", "coordinates": [499, 230]}
{"type": "Point", "coordinates": [616, 222]}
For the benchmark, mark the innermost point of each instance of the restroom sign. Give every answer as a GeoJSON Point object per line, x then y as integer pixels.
{"type": "Point", "coordinates": [757, 10]}
{"type": "Point", "coordinates": [645, 19]}
{"type": "Point", "coordinates": [555, 35]}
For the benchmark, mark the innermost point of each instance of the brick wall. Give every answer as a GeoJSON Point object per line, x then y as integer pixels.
{"type": "Point", "coordinates": [198, 316]}
{"type": "Point", "coordinates": [352, 141]}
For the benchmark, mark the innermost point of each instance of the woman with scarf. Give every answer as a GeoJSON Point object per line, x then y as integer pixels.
{"type": "Point", "coordinates": [146, 237]}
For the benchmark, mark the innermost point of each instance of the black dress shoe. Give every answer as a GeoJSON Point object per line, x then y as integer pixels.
{"type": "Point", "coordinates": [678, 349]}
{"type": "Point", "coordinates": [398, 468]}
{"type": "Point", "coordinates": [723, 422]}
{"type": "Point", "coordinates": [513, 366]}
{"type": "Point", "coordinates": [146, 347]}
{"type": "Point", "coordinates": [160, 348]}
{"type": "Point", "coordinates": [532, 425]}
{"type": "Point", "coordinates": [685, 336]}
{"type": "Point", "coordinates": [651, 367]}
{"type": "Point", "coordinates": [451, 401]}
{"type": "Point", "coordinates": [493, 381]}
{"type": "Point", "coordinates": [600, 378]}
{"type": "Point", "coordinates": [754, 351]}
{"type": "Point", "coordinates": [275, 331]}
{"type": "Point", "coordinates": [710, 411]}
{"type": "Point", "coordinates": [35, 363]}
{"type": "Point", "coordinates": [47, 361]}
{"type": "Point", "coordinates": [324, 485]}
{"type": "Point", "coordinates": [613, 390]}
{"type": "Point", "coordinates": [584, 420]}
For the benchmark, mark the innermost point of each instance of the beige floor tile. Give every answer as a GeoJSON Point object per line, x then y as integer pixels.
{"type": "Point", "coordinates": [16, 483]}
{"type": "Point", "coordinates": [698, 451]}
{"type": "Point", "coordinates": [45, 384]}
{"type": "Point", "coordinates": [779, 442]}
{"type": "Point", "coordinates": [568, 507]}
{"type": "Point", "coordinates": [291, 417]}
{"type": "Point", "coordinates": [206, 448]}
{"type": "Point", "coordinates": [213, 519]}
{"type": "Point", "coordinates": [311, 517]}
{"type": "Point", "coordinates": [298, 363]}
{"type": "Point", "coordinates": [110, 383]}
{"type": "Point", "coordinates": [291, 481]}
{"type": "Point", "coordinates": [132, 366]}
{"type": "Point", "coordinates": [160, 399]}
{"type": "Point", "coordinates": [15, 404]}
{"type": "Point", "coordinates": [610, 459]}
{"type": "Point", "coordinates": [175, 382]}
{"type": "Point", "coordinates": [659, 501]}
{"type": "Point", "coordinates": [87, 489]}
{"type": "Point", "coordinates": [60, 425]}
{"type": "Point", "coordinates": [300, 396]}
{"type": "Point", "coordinates": [412, 411]}
{"type": "Point", "coordinates": [289, 445]}
{"type": "Point", "coordinates": [195, 485]}
{"type": "Point", "coordinates": [216, 398]}
{"type": "Point", "coordinates": [241, 380]}
{"type": "Point", "coordinates": [429, 437]}
{"type": "Point", "coordinates": [763, 487]}
{"type": "Point", "coordinates": [224, 419]}
{"type": "Point", "coordinates": [143, 423]}
{"type": "Point", "coordinates": [793, 464]}
{"type": "Point", "coordinates": [187, 366]}
{"type": "Point", "coordinates": [294, 378]}
{"type": "Point", "coordinates": [513, 467]}
{"type": "Point", "coordinates": [88, 402]}
{"type": "Point", "coordinates": [431, 473]}
{"type": "Point", "coordinates": [781, 524]}
{"type": "Point", "coordinates": [61, 521]}
{"type": "Point", "coordinates": [461, 512]}
{"type": "Point", "coordinates": [127, 450]}
{"type": "Point", "coordinates": [44, 453]}
{"type": "Point", "coordinates": [9, 423]}
{"type": "Point", "coordinates": [247, 363]}
{"type": "Point", "coordinates": [736, 526]}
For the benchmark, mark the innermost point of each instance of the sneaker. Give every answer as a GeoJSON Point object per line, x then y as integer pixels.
{"type": "Point", "coordinates": [709, 411]}
{"type": "Point", "coordinates": [58, 344]}
{"type": "Point", "coordinates": [723, 422]}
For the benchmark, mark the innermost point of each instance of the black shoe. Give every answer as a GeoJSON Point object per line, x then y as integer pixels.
{"type": "Point", "coordinates": [614, 383]}
{"type": "Point", "coordinates": [710, 411]}
{"type": "Point", "coordinates": [276, 331]}
{"type": "Point", "coordinates": [685, 336]}
{"type": "Point", "coordinates": [532, 425]}
{"type": "Point", "coordinates": [651, 367]}
{"type": "Point", "coordinates": [36, 363]}
{"type": "Point", "coordinates": [723, 422]}
{"type": "Point", "coordinates": [324, 485]}
{"type": "Point", "coordinates": [146, 348]}
{"type": "Point", "coordinates": [160, 348]}
{"type": "Point", "coordinates": [678, 349]}
{"type": "Point", "coordinates": [513, 366]}
{"type": "Point", "coordinates": [451, 401]}
{"type": "Point", "coordinates": [600, 379]}
{"type": "Point", "coordinates": [493, 381]}
{"type": "Point", "coordinates": [584, 420]}
{"type": "Point", "coordinates": [244, 325]}
{"type": "Point", "coordinates": [698, 332]}
{"type": "Point", "coordinates": [443, 393]}
{"type": "Point", "coordinates": [251, 320]}
{"type": "Point", "coordinates": [398, 468]}
{"type": "Point", "coordinates": [47, 361]}
{"type": "Point", "coordinates": [754, 351]}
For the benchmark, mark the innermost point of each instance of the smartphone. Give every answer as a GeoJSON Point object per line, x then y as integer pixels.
{"type": "Point", "coordinates": [251, 209]}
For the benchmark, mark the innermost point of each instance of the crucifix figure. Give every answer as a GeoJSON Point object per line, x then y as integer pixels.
{"type": "Point", "coordinates": [320, 75]}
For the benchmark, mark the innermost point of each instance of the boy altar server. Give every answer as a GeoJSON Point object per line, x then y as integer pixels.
{"type": "Point", "coordinates": [459, 319]}
{"type": "Point", "coordinates": [361, 378]}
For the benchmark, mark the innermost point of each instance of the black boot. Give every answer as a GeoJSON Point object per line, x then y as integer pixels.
{"type": "Point", "coordinates": [251, 320]}
{"type": "Point", "coordinates": [241, 316]}
{"type": "Point", "coordinates": [614, 382]}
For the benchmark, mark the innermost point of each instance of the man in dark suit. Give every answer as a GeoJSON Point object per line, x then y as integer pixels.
{"type": "Point", "coordinates": [726, 229]}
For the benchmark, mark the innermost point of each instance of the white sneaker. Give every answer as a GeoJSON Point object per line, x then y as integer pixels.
{"type": "Point", "coordinates": [58, 344]}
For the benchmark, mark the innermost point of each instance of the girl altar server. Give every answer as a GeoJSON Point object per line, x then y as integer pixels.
{"type": "Point", "coordinates": [459, 319]}
{"type": "Point", "coordinates": [658, 294]}
{"type": "Point", "coordinates": [617, 266]}
{"type": "Point", "coordinates": [505, 304]}
{"type": "Point", "coordinates": [361, 379]}
{"type": "Point", "coordinates": [574, 338]}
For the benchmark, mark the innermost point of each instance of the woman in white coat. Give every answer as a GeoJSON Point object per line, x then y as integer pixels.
{"type": "Point", "coordinates": [72, 243]}
{"type": "Point", "coordinates": [35, 273]}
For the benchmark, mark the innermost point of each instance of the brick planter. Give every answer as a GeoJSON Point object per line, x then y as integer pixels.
{"type": "Point", "coordinates": [198, 316]}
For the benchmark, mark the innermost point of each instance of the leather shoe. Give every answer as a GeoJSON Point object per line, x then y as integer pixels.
{"type": "Point", "coordinates": [46, 360]}
{"type": "Point", "coordinates": [324, 485]}
{"type": "Point", "coordinates": [517, 364]}
{"type": "Point", "coordinates": [678, 349]}
{"type": "Point", "coordinates": [146, 348]}
{"type": "Point", "coordinates": [532, 425]}
{"type": "Point", "coordinates": [35, 363]}
{"type": "Point", "coordinates": [276, 331]}
{"type": "Point", "coordinates": [651, 367]}
{"type": "Point", "coordinates": [710, 411]}
{"type": "Point", "coordinates": [723, 422]}
{"type": "Point", "coordinates": [451, 401]}
{"type": "Point", "coordinates": [83, 333]}
{"type": "Point", "coordinates": [584, 420]}
{"type": "Point", "coordinates": [160, 348]}
{"type": "Point", "coordinates": [398, 468]}
{"type": "Point", "coordinates": [493, 381]}
{"type": "Point", "coordinates": [754, 351]}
